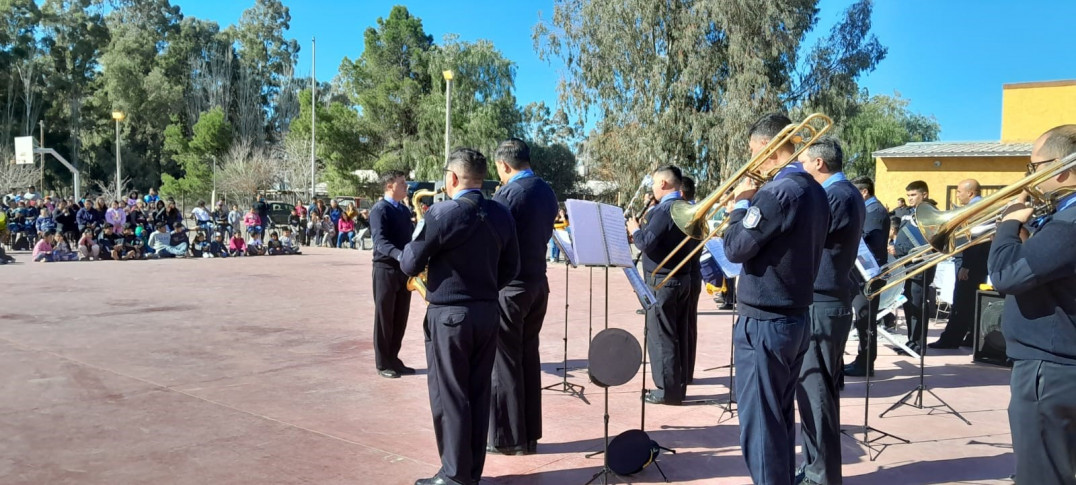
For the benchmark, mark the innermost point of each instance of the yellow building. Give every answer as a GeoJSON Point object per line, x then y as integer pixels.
{"type": "Point", "coordinates": [1028, 110]}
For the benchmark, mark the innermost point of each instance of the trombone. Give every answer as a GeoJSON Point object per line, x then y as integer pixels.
{"type": "Point", "coordinates": [691, 219]}
{"type": "Point", "coordinates": [418, 283]}
{"type": "Point", "coordinates": [950, 232]}
{"type": "Point", "coordinates": [645, 184]}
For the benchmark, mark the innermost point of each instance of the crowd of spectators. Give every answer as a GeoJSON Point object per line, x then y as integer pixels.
{"type": "Point", "coordinates": [137, 227]}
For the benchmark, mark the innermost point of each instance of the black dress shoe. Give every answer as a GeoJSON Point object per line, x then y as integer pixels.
{"type": "Point", "coordinates": [518, 450]}
{"type": "Point", "coordinates": [941, 344]}
{"type": "Point", "coordinates": [532, 447]}
{"type": "Point", "coordinates": [727, 306]}
{"type": "Point", "coordinates": [404, 370]}
{"type": "Point", "coordinates": [432, 481]}
{"type": "Point", "coordinates": [853, 370]}
{"type": "Point", "coordinates": [389, 374]}
{"type": "Point", "coordinates": [655, 399]}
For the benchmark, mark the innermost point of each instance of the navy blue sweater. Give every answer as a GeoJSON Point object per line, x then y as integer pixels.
{"type": "Point", "coordinates": [470, 248]}
{"type": "Point", "coordinates": [533, 206]}
{"type": "Point", "coordinates": [876, 226]}
{"type": "Point", "coordinates": [390, 228]}
{"type": "Point", "coordinates": [779, 241]}
{"type": "Point", "coordinates": [1038, 278]}
{"type": "Point", "coordinates": [846, 215]}
{"type": "Point", "coordinates": [658, 237]}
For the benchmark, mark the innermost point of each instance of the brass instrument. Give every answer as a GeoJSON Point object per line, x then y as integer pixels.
{"type": "Point", "coordinates": [418, 283]}
{"type": "Point", "coordinates": [691, 218]}
{"type": "Point", "coordinates": [645, 184]}
{"type": "Point", "coordinates": [951, 232]}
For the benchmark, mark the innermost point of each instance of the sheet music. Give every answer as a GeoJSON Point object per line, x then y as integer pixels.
{"type": "Point", "coordinates": [563, 240]}
{"type": "Point", "coordinates": [598, 234]}
{"type": "Point", "coordinates": [865, 262]}
{"type": "Point", "coordinates": [642, 290]}
{"type": "Point", "coordinates": [716, 247]}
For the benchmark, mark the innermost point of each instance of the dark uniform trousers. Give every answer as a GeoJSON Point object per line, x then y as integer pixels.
{"type": "Point", "coordinates": [461, 342]}
{"type": "Point", "coordinates": [866, 324]}
{"type": "Point", "coordinates": [666, 343]}
{"type": "Point", "coordinates": [962, 311]}
{"type": "Point", "coordinates": [691, 330]}
{"type": "Point", "coordinates": [392, 303]}
{"type": "Point", "coordinates": [516, 415]}
{"type": "Point", "coordinates": [769, 354]}
{"type": "Point", "coordinates": [1042, 417]}
{"type": "Point", "coordinates": [817, 394]}
{"type": "Point", "coordinates": [913, 309]}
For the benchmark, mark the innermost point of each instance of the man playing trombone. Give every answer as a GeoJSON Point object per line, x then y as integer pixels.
{"type": "Point", "coordinates": [778, 234]}
{"type": "Point", "coordinates": [660, 236]}
{"type": "Point", "coordinates": [831, 315]}
{"type": "Point", "coordinates": [1038, 278]}
{"type": "Point", "coordinates": [908, 238]}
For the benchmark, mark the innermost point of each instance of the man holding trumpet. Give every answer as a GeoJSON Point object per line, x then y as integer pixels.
{"type": "Point", "coordinates": [1038, 278]}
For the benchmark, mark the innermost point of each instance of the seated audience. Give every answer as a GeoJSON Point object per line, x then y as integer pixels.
{"type": "Point", "coordinates": [43, 249]}
{"type": "Point", "coordinates": [236, 245]}
{"type": "Point", "coordinates": [88, 249]}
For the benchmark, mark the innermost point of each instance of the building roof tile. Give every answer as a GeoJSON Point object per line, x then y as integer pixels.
{"type": "Point", "coordinates": [957, 149]}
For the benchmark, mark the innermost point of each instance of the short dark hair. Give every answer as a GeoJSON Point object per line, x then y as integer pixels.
{"type": "Point", "coordinates": [919, 186]}
{"type": "Point", "coordinates": [514, 152]}
{"type": "Point", "coordinates": [1060, 142]}
{"type": "Point", "coordinates": [674, 172]}
{"type": "Point", "coordinates": [389, 176]}
{"type": "Point", "coordinates": [769, 126]}
{"type": "Point", "coordinates": [468, 163]}
{"type": "Point", "coordinates": [864, 182]}
{"type": "Point", "coordinates": [828, 148]}
{"type": "Point", "coordinates": [687, 188]}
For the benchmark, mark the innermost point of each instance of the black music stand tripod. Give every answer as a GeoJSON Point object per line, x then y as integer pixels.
{"type": "Point", "coordinates": [564, 386]}
{"type": "Point", "coordinates": [916, 395]}
{"type": "Point", "coordinates": [873, 449]}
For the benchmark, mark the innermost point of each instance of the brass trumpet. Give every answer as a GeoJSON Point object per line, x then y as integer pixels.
{"type": "Point", "coordinates": [691, 219]}
{"type": "Point", "coordinates": [951, 232]}
{"type": "Point", "coordinates": [418, 283]}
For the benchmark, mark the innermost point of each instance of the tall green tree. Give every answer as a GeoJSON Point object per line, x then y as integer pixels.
{"type": "Point", "coordinates": [882, 122]}
{"type": "Point", "coordinates": [267, 58]}
{"type": "Point", "coordinates": [389, 82]}
{"type": "Point", "coordinates": [680, 82]}
{"type": "Point", "coordinates": [341, 143]}
{"type": "Point", "coordinates": [198, 154]}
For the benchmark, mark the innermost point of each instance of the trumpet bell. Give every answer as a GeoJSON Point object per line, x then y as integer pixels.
{"type": "Point", "coordinates": [688, 219]}
{"type": "Point", "coordinates": [935, 224]}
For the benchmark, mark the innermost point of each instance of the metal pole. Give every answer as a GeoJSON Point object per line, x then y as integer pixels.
{"type": "Point", "coordinates": [313, 116]}
{"type": "Point", "coordinates": [448, 115]}
{"type": "Point", "coordinates": [41, 125]}
{"type": "Point", "coordinates": [118, 189]}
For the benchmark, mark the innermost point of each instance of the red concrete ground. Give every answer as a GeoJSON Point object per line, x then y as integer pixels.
{"type": "Point", "coordinates": [260, 370]}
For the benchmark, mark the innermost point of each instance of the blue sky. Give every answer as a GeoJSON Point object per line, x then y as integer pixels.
{"type": "Point", "coordinates": [949, 57]}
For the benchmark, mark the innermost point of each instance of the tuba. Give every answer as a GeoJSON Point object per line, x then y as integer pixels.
{"type": "Point", "coordinates": [691, 219]}
{"type": "Point", "coordinates": [951, 232]}
{"type": "Point", "coordinates": [418, 283]}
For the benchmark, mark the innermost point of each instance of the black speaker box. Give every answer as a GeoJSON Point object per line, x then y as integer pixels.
{"type": "Point", "coordinates": [989, 341]}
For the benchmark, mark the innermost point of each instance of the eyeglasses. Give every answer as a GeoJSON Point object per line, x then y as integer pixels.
{"type": "Point", "coordinates": [1034, 166]}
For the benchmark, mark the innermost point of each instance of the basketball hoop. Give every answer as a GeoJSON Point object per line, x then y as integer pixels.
{"type": "Point", "coordinates": [24, 150]}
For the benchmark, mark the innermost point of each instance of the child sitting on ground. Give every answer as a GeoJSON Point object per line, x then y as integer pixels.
{"type": "Point", "coordinates": [61, 251]}
{"type": "Point", "coordinates": [288, 241]}
{"type": "Point", "coordinates": [217, 248]}
{"type": "Point", "coordinates": [43, 248]}
{"type": "Point", "coordinates": [236, 245]}
{"type": "Point", "coordinates": [328, 232]}
{"type": "Point", "coordinates": [199, 248]}
{"type": "Point", "coordinates": [274, 247]}
{"type": "Point", "coordinates": [255, 246]}
{"type": "Point", "coordinates": [88, 249]}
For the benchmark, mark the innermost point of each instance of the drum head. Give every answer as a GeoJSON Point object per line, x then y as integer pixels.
{"type": "Point", "coordinates": [615, 356]}
{"type": "Point", "coordinates": [630, 452]}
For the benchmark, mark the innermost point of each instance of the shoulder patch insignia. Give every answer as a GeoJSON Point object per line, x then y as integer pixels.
{"type": "Point", "coordinates": [753, 217]}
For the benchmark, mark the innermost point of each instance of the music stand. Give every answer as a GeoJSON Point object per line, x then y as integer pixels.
{"type": "Point", "coordinates": [614, 345]}
{"type": "Point", "coordinates": [561, 240]}
{"type": "Point", "coordinates": [716, 248]}
{"type": "Point", "coordinates": [917, 392]}
{"type": "Point", "coordinates": [873, 450]}
{"type": "Point", "coordinates": [599, 240]}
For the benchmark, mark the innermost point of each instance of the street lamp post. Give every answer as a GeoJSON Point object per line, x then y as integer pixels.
{"type": "Point", "coordinates": [448, 109]}
{"type": "Point", "coordinates": [118, 116]}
